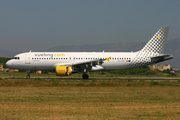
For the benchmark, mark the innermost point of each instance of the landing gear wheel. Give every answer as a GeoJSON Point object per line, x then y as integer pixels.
{"type": "Point", "coordinates": [85, 76]}
{"type": "Point", "coordinates": [28, 76]}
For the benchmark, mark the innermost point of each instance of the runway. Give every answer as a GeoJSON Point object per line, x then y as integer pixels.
{"type": "Point", "coordinates": [102, 79]}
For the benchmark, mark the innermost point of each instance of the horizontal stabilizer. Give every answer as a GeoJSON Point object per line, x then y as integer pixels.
{"type": "Point", "coordinates": [162, 57]}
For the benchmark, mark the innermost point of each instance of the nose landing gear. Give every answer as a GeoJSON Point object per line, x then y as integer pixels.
{"type": "Point", "coordinates": [28, 74]}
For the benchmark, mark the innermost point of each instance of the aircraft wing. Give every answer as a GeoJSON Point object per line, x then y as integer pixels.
{"type": "Point", "coordinates": [92, 62]}
{"type": "Point", "coordinates": [162, 57]}
{"type": "Point", "coordinates": [86, 64]}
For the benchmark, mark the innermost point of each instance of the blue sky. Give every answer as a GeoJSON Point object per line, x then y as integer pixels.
{"type": "Point", "coordinates": [41, 24]}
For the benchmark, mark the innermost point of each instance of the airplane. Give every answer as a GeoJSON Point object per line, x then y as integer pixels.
{"type": "Point", "coordinates": [67, 63]}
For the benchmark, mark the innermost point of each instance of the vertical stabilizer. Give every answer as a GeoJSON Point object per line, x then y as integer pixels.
{"type": "Point", "coordinates": [157, 43]}
{"type": "Point", "coordinates": [153, 51]}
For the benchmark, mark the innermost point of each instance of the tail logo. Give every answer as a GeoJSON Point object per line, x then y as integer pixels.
{"type": "Point", "coordinates": [108, 59]}
{"type": "Point", "coordinates": [157, 43]}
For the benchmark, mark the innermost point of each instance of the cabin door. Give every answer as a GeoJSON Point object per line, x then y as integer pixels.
{"type": "Point", "coordinates": [27, 59]}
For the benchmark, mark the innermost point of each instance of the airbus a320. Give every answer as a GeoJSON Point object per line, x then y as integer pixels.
{"type": "Point", "coordinates": [67, 63]}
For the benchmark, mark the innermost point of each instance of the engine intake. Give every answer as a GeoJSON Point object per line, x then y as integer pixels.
{"type": "Point", "coordinates": [63, 70]}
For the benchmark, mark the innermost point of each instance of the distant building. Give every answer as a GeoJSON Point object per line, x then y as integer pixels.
{"type": "Point", "coordinates": [176, 69]}
{"type": "Point", "coordinates": [1, 67]}
{"type": "Point", "coordinates": [13, 70]}
{"type": "Point", "coordinates": [7, 69]}
{"type": "Point", "coordinates": [160, 67]}
{"type": "Point", "coordinates": [39, 72]}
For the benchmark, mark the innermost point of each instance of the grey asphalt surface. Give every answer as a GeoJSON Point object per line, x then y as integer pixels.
{"type": "Point", "coordinates": [100, 79]}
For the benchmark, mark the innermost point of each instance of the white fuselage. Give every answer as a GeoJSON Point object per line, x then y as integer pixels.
{"type": "Point", "coordinates": [49, 60]}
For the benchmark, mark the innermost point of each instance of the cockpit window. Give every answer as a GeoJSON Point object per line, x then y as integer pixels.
{"type": "Point", "coordinates": [17, 58]}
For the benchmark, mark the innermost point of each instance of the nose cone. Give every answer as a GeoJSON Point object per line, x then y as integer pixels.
{"type": "Point", "coordinates": [8, 64]}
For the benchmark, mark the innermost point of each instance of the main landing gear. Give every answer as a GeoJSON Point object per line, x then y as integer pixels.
{"type": "Point", "coordinates": [85, 76]}
{"type": "Point", "coordinates": [28, 74]}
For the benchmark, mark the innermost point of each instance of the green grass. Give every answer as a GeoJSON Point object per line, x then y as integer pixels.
{"type": "Point", "coordinates": [52, 99]}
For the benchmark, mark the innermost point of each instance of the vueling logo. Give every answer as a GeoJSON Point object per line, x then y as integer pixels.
{"type": "Point", "coordinates": [44, 55]}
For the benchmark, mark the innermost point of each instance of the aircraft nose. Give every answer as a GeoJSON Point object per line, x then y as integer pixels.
{"type": "Point", "coordinates": [8, 64]}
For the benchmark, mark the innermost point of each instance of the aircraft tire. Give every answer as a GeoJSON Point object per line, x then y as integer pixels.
{"type": "Point", "coordinates": [28, 76]}
{"type": "Point", "coordinates": [85, 76]}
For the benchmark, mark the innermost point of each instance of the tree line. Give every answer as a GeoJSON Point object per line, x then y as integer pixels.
{"type": "Point", "coordinates": [3, 61]}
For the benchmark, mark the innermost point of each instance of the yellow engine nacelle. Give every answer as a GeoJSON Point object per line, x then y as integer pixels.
{"type": "Point", "coordinates": [63, 70]}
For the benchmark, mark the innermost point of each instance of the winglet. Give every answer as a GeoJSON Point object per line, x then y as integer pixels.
{"type": "Point", "coordinates": [108, 59]}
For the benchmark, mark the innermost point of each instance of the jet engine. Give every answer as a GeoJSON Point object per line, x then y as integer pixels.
{"type": "Point", "coordinates": [63, 70]}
